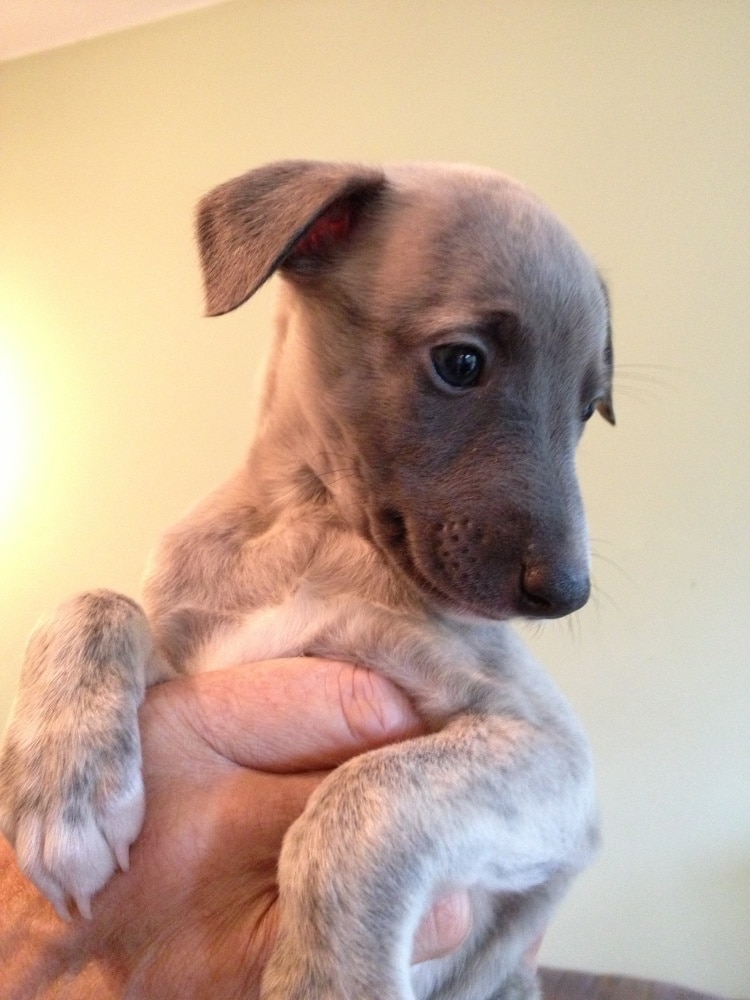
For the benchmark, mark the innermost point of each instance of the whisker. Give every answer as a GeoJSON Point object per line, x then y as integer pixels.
{"type": "Point", "coordinates": [574, 627]}
{"type": "Point", "coordinates": [534, 627]}
{"type": "Point", "coordinates": [333, 479]}
{"type": "Point", "coordinates": [600, 557]}
{"type": "Point", "coordinates": [600, 597]}
{"type": "Point", "coordinates": [632, 380]}
{"type": "Point", "coordinates": [645, 370]}
{"type": "Point", "coordinates": [344, 471]}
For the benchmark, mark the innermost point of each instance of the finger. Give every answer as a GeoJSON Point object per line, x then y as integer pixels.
{"type": "Point", "coordinates": [294, 715]}
{"type": "Point", "coordinates": [531, 956]}
{"type": "Point", "coordinates": [444, 928]}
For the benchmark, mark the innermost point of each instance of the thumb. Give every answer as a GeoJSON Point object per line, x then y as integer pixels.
{"type": "Point", "coordinates": [298, 714]}
{"type": "Point", "coordinates": [444, 927]}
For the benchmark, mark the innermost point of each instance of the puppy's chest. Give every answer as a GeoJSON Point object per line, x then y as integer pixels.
{"type": "Point", "coordinates": [302, 624]}
{"type": "Point", "coordinates": [433, 663]}
{"type": "Point", "coordinates": [265, 633]}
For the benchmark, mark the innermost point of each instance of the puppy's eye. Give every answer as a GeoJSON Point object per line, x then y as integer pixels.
{"type": "Point", "coordinates": [458, 365]}
{"type": "Point", "coordinates": [589, 411]}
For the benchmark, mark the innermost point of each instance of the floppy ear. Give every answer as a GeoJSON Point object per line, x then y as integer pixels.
{"type": "Point", "coordinates": [251, 225]}
{"type": "Point", "coordinates": [604, 406]}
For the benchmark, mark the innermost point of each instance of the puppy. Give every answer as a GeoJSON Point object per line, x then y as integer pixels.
{"type": "Point", "coordinates": [441, 342]}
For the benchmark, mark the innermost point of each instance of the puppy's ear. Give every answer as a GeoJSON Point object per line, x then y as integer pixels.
{"type": "Point", "coordinates": [295, 212]}
{"type": "Point", "coordinates": [605, 408]}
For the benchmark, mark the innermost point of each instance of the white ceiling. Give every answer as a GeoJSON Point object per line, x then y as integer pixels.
{"type": "Point", "coordinates": [28, 26]}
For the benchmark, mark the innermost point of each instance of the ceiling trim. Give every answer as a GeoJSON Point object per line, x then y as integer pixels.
{"type": "Point", "coordinates": [30, 26]}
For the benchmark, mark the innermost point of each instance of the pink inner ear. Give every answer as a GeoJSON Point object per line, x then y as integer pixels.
{"type": "Point", "coordinates": [335, 225]}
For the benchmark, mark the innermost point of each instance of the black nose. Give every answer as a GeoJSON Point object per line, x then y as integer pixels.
{"type": "Point", "coordinates": [552, 591]}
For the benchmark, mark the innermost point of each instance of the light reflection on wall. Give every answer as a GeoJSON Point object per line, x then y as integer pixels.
{"type": "Point", "coordinates": [45, 416]}
{"type": "Point", "coordinates": [14, 438]}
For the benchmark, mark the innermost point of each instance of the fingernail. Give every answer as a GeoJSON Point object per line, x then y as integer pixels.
{"type": "Point", "coordinates": [378, 710]}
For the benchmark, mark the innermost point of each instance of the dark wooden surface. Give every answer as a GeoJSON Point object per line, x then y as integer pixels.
{"type": "Point", "coordinates": [562, 985]}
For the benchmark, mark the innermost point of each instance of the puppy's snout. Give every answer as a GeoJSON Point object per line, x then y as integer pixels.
{"type": "Point", "coordinates": [549, 591]}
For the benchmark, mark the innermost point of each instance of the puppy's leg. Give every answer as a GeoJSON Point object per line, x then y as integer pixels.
{"type": "Point", "coordinates": [485, 802]}
{"type": "Point", "coordinates": [71, 792]}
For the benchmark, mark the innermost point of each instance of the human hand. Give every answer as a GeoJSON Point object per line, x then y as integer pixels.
{"type": "Point", "coordinates": [230, 759]}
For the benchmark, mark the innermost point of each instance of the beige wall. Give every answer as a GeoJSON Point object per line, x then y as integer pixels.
{"type": "Point", "coordinates": [631, 119]}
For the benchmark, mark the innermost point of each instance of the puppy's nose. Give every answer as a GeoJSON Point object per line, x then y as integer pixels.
{"type": "Point", "coordinates": [551, 592]}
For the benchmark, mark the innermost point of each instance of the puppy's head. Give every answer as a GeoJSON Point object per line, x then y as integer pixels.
{"type": "Point", "coordinates": [446, 341]}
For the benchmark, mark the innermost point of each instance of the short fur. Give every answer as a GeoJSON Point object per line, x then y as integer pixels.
{"type": "Point", "coordinates": [384, 516]}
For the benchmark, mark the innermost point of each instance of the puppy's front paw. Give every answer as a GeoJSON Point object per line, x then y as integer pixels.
{"type": "Point", "coordinates": [71, 792]}
{"type": "Point", "coordinates": [71, 833]}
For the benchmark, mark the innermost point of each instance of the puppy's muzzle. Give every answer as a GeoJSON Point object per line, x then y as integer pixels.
{"type": "Point", "coordinates": [483, 570]}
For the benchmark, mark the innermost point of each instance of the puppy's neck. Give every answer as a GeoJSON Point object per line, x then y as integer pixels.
{"type": "Point", "coordinates": [301, 457]}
